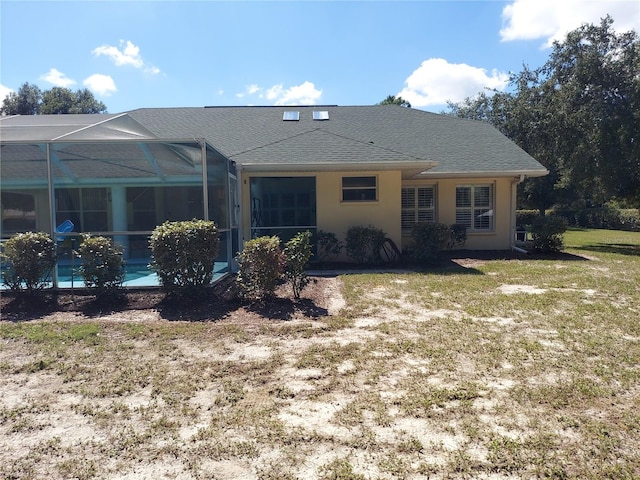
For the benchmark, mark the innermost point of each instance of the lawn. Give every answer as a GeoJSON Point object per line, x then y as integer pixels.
{"type": "Point", "coordinates": [490, 368]}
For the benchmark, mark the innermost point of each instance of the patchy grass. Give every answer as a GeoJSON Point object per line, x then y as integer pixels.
{"type": "Point", "coordinates": [524, 368]}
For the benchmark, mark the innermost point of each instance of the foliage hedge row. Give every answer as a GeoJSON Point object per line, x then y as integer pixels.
{"type": "Point", "coordinates": [606, 217]}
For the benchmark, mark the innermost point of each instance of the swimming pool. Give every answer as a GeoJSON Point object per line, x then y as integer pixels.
{"type": "Point", "coordinates": [136, 275]}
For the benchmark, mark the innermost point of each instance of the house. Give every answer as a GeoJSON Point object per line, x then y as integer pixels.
{"type": "Point", "coordinates": [259, 171]}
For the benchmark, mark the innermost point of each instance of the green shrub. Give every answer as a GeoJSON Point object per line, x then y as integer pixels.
{"type": "Point", "coordinates": [630, 219]}
{"type": "Point", "coordinates": [605, 217]}
{"type": "Point", "coordinates": [328, 246]}
{"type": "Point", "coordinates": [428, 240]}
{"type": "Point", "coordinates": [184, 254]}
{"type": "Point", "coordinates": [261, 265]}
{"type": "Point", "coordinates": [526, 217]}
{"type": "Point", "coordinates": [548, 233]}
{"type": "Point", "coordinates": [102, 265]}
{"type": "Point", "coordinates": [30, 258]}
{"type": "Point", "coordinates": [297, 253]}
{"type": "Point", "coordinates": [363, 244]}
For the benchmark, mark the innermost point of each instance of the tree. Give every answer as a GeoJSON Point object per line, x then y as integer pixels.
{"type": "Point", "coordinates": [30, 100]}
{"type": "Point", "coordinates": [578, 114]}
{"type": "Point", "coordinates": [595, 77]}
{"type": "Point", "coordinates": [393, 100]}
{"type": "Point", "coordinates": [26, 101]}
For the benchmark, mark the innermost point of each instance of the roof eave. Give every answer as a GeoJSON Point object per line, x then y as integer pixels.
{"type": "Point", "coordinates": [486, 174]}
{"type": "Point", "coordinates": [408, 168]}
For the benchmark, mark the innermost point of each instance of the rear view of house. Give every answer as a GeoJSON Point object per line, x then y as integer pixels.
{"type": "Point", "coordinates": [258, 171]}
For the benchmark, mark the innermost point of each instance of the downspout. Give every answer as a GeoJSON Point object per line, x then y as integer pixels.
{"type": "Point", "coordinates": [514, 188]}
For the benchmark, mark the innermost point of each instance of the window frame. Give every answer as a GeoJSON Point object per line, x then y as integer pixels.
{"type": "Point", "coordinates": [416, 210]}
{"type": "Point", "coordinates": [365, 190]}
{"type": "Point", "coordinates": [476, 211]}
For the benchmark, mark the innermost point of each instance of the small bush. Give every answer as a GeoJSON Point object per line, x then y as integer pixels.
{"type": "Point", "coordinates": [328, 246]}
{"type": "Point", "coordinates": [30, 258]}
{"type": "Point", "coordinates": [184, 254]}
{"type": "Point", "coordinates": [102, 264]}
{"type": "Point", "coordinates": [458, 236]}
{"type": "Point", "coordinates": [630, 219]}
{"type": "Point", "coordinates": [428, 240]}
{"type": "Point", "coordinates": [548, 233]}
{"type": "Point", "coordinates": [261, 265]}
{"type": "Point", "coordinates": [363, 244]}
{"type": "Point", "coordinates": [297, 253]}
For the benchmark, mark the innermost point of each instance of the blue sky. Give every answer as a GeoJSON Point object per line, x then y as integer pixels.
{"type": "Point", "coordinates": [195, 53]}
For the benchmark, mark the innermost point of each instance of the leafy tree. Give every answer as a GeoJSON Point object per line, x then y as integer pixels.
{"type": "Point", "coordinates": [595, 77]}
{"type": "Point", "coordinates": [26, 101]}
{"type": "Point", "coordinates": [30, 100]}
{"type": "Point", "coordinates": [57, 100]}
{"type": "Point", "coordinates": [393, 100]}
{"type": "Point", "coordinates": [578, 114]}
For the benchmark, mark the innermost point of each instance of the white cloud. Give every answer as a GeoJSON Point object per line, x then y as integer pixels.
{"type": "Point", "coordinates": [100, 84]}
{"type": "Point", "coordinates": [126, 54]}
{"type": "Point", "coordinates": [437, 81]}
{"type": "Point", "coordinates": [57, 78]}
{"type": "Point", "coordinates": [553, 19]}
{"type": "Point", "coordinates": [304, 94]}
{"type": "Point", "coordinates": [4, 92]}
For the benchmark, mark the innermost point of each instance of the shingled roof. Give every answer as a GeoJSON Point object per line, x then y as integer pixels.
{"type": "Point", "coordinates": [376, 135]}
{"type": "Point", "coordinates": [353, 137]}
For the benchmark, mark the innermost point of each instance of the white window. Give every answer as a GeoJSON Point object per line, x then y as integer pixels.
{"type": "Point", "coordinates": [474, 207]}
{"type": "Point", "coordinates": [418, 205]}
{"type": "Point", "coordinates": [359, 189]}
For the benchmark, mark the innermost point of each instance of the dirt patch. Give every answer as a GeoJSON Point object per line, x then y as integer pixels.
{"type": "Point", "coordinates": [321, 297]}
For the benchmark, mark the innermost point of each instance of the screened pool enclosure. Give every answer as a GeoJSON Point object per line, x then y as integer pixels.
{"type": "Point", "coordinates": [107, 175]}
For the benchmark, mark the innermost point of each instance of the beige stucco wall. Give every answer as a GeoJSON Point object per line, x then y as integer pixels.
{"type": "Point", "coordinates": [337, 216]}
{"type": "Point", "coordinates": [334, 215]}
{"type": "Point", "coordinates": [500, 238]}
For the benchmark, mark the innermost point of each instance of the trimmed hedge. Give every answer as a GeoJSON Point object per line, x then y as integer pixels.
{"type": "Point", "coordinates": [262, 264]}
{"type": "Point", "coordinates": [30, 258]}
{"type": "Point", "coordinates": [102, 265]}
{"type": "Point", "coordinates": [184, 254]}
{"type": "Point", "coordinates": [363, 244]}
{"type": "Point", "coordinates": [606, 217]}
{"type": "Point", "coordinates": [548, 233]}
{"type": "Point", "coordinates": [429, 239]}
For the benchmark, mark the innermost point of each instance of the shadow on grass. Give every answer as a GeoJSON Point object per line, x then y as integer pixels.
{"type": "Point", "coordinates": [465, 261]}
{"type": "Point", "coordinates": [618, 248]}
